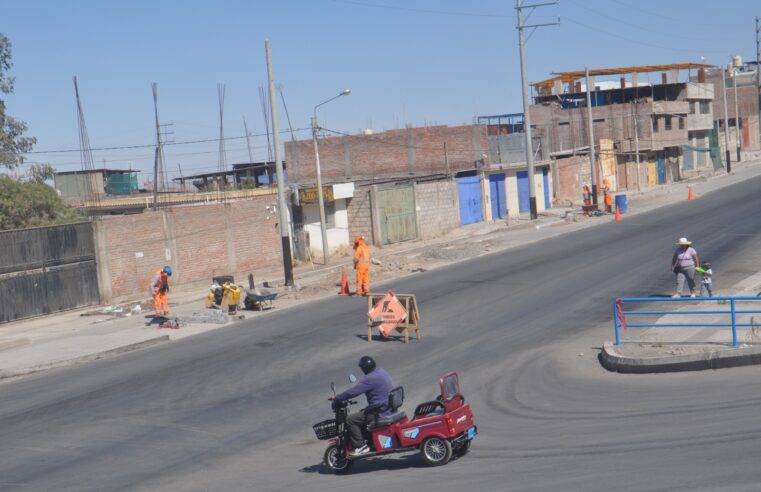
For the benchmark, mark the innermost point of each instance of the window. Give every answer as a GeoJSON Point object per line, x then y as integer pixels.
{"type": "Point", "coordinates": [705, 107]}
{"type": "Point", "coordinates": [655, 124]}
{"type": "Point", "coordinates": [681, 122]}
{"type": "Point", "coordinates": [692, 107]}
{"type": "Point", "coordinates": [667, 125]}
{"type": "Point", "coordinates": [330, 215]}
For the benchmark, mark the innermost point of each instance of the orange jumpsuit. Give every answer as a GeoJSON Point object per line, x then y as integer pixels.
{"type": "Point", "coordinates": [608, 198]}
{"type": "Point", "coordinates": [160, 286]}
{"type": "Point", "coordinates": [362, 265]}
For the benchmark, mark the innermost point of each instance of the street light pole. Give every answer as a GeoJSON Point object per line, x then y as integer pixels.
{"type": "Point", "coordinates": [320, 198]}
{"type": "Point", "coordinates": [738, 141]}
{"type": "Point", "coordinates": [726, 120]}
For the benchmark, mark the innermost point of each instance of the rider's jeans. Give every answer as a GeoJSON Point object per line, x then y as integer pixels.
{"type": "Point", "coordinates": [356, 422]}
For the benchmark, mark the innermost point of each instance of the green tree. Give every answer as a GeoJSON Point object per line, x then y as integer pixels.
{"type": "Point", "coordinates": [12, 142]}
{"type": "Point", "coordinates": [39, 173]}
{"type": "Point", "coordinates": [29, 204]}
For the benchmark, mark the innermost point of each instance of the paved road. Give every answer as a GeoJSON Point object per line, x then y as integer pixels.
{"type": "Point", "coordinates": [232, 409]}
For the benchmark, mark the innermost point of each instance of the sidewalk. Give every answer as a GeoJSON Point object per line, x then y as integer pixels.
{"type": "Point", "coordinates": [79, 336]}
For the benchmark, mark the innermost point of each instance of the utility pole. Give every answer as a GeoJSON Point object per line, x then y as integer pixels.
{"type": "Point", "coordinates": [284, 237]}
{"type": "Point", "coordinates": [524, 87]}
{"type": "Point", "coordinates": [737, 112]}
{"type": "Point", "coordinates": [158, 163]}
{"type": "Point", "coordinates": [636, 145]}
{"type": "Point", "coordinates": [726, 120]}
{"type": "Point", "coordinates": [591, 135]}
{"type": "Point", "coordinates": [758, 65]}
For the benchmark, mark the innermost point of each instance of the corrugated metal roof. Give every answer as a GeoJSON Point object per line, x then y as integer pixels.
{"type": "Point", "coordinates": [579, 74]}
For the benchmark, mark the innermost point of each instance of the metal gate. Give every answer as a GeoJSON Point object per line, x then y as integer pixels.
{"type": "Point", "coordinates": [396, 207]}
{"type": "Point", "coordinates": [546, 184]}
{"type": "Point", "coordinates": [661, 171]}
{"type": "Point", "coordinates": [524, 199]}
{"type": "Point", "coordinates": [497, 192]}
{"type": "Point", "coordinates": [47, 269]}
{"type": "Point", "coordinates": [469, 198]}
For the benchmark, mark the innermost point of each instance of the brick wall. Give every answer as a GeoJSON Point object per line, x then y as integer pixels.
{"type": "Point", "coordinates": [438, 207]}
{"type": "Point", "coordinates": [408, 151]}
{"type": "Point", "coordinates": [360, 218]}
{"type": "Point", "coordinates": [573, 174]}
{"type": "Point", "coordinates": [198, 242]}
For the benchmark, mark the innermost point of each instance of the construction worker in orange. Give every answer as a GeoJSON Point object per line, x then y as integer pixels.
{"type": "Point", "coordinates": [362, 265]}
{"type": "Point", "coordinates": [608, 198]}
{"type": "Point", "coordinates": [159, 287]}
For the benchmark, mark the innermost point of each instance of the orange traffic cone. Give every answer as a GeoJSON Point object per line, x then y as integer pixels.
{"type": "Point", "coordinates": [344, 285]}
{"type": "Point", "coordinates": [690, 195]}
{"type": "Point", "coordinates": [618, 215]}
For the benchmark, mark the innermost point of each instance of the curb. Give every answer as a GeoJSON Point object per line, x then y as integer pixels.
{"type": "Point", "coordinates": [85, 358]}
{"type": "Point", "coordinates": [722, 358]}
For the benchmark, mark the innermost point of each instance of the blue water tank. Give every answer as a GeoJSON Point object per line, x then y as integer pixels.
{"type": "Point", "coordinates": [621, 203]}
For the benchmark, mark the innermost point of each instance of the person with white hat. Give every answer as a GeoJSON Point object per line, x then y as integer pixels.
{"type": "Point", "coordinates": [683, 264]}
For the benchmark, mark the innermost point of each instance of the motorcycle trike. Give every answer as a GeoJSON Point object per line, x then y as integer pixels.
{"type": "Point", "coordinates": [440, 429]}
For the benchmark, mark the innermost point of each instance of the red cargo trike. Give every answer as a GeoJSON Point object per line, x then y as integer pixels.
{"type": "Point", "coordinates": [441, 429]}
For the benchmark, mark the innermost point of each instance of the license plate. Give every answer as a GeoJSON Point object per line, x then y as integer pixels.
{"type": "Point", "coordinates": [472, 432]}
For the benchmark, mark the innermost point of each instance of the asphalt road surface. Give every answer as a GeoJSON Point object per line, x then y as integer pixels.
{"type": "Point", "coordinates": [233, 409]}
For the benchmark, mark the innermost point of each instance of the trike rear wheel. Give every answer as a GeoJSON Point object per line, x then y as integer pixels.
{"type": "Point", "coordinates": [436, 451]}
{"type": "Point", "coordinates": [335, 462]}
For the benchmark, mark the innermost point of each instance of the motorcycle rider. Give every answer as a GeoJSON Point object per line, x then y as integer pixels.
{"type": "Point", "coordinates": [376, 385]}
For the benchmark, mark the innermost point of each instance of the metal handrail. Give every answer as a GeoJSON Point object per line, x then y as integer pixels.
{"type": "Point", "coordinates": [619, 314]}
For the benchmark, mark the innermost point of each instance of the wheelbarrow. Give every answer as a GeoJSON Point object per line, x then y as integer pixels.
{"type": "Point", "coordinates": [259, 298]}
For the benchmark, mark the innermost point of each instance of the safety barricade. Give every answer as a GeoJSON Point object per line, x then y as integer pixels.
{"type": "Point", "coordinates": [389, 312]}
{"type": "Point", "coordinates": [621, 316]}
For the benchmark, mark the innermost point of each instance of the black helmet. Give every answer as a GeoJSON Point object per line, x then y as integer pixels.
{"type": "Point", "coordinates": [367, 364]}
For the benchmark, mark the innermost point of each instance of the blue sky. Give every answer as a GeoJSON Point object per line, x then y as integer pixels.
{"type": "Point", "coordinates": [417, 62]}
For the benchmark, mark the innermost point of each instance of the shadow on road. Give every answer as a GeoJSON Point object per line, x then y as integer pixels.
{"type": "Point", "coordinates": [368, 465]}
{"type": "Point", "coordinates": [380, 338]}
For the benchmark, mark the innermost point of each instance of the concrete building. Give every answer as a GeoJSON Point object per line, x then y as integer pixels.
{"type": "Point", "coordinates": [76, 186]}
{"type": "Point", "coordinates": [742, 106]}
{"type": "Point", "coordinates": [658, 118]}
{"type": "Point", "coordinates": [506, 183]}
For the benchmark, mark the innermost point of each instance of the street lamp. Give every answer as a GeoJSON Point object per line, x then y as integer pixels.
{"type": "Point", "coordinates": [321, 202]}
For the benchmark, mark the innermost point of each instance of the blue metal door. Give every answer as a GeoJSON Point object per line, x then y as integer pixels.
{"type": "Point", "coordinates": [661, 171]}
{"type": "Point", "coordinates": [524, 201]}
{"type": "Point", "coordinates": [546, 183]}
{"type": "Point", "coordinates": [497, 191]}
{"type": "Point", "coordinates": [469, 194]}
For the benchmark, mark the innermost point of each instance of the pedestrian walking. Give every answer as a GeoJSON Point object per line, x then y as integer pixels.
{"type": "Point", "coordinates": [706, 281]}
{"type": "Point", "coordinates": [362, 265]}
{"type": "Point", "coordinates": [683, 265]}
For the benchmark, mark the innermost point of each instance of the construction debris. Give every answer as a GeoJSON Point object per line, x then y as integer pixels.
{"type": "Point", "coordinates": [210, 317]}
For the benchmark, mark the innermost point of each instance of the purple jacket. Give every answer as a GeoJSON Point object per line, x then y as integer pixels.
{"type": "Point", "coordinates": [376, 386]}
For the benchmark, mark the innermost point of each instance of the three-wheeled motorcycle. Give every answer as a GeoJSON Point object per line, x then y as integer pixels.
{"type": "Point", "coordinates": [440, 429]}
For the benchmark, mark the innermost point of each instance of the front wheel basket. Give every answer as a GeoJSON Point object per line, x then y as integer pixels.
{"type": "Point", "coordinates": [327, 429]}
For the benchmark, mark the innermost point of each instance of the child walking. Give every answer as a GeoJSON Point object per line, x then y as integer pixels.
{"type": "Point", "coordinates": [707, 280]}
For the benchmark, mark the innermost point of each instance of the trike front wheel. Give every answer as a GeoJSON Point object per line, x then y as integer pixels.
{"type": "Point", "coordinates": [336, 461]}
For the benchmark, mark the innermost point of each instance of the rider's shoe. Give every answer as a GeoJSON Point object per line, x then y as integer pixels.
{"type": "Point", "coordinates": [360, 451]}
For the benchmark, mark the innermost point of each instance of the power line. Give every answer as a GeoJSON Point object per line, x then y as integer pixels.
{"type": "Point", "coordinates": [651, 45]}
{"type": "Point", "coordinates": [421, 11]}
{"type": "Point", "coordinates": [144, 146]}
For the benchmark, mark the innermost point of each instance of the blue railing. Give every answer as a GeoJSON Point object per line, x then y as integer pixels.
{"type": "Point", "coordinates": [619, 314]}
